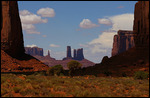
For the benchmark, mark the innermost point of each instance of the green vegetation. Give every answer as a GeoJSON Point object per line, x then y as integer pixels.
{"type": "Point", "coordinates": [72, 66]}
{"type": "Point", "coordinates": [141, 75]}
{"type": "Point", "coordinates": [38, 85]}
{"type": "Point", "coordinates": [55, 70]}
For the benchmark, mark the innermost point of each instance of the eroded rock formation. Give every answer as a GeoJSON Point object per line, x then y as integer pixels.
{"type": "Point", "coordinates": [123, 41]}
{"type": "Point", "coordinates": [34, 51]}
{"type": "Point", "coordinates": [80, 55]}
{"type": "Point", "coordinates": [11, 30]}
{"type": "Point", "coordinates": [13, 57]}
{"type": "Point", "coordinates": [141, 24]}
{"type": "Point", "coordinates": [77, 54]}
{"type": "Point", "coordinates": [74, 54]}
{"type": "Point", "coordinates": [69, 52]}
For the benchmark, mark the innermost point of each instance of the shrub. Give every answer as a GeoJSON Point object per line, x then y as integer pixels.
{"type": "Point", "coordinates": [72, 65]}
{"type": "Point", "coordinates": [55, 70]}
{"type": "Point", "coordinates": [141, 75]}
{"type": "Point", "coordinates": [17, 89]}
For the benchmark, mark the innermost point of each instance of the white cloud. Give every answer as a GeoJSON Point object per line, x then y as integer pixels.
{"type": "Point", "coordinates": [105, 39]}
{"type": "Point", "coordinates": [86, 24]}
{"type": "Point", "coordinates": [32, 32]}
{"type": "Point", "coordinates": [33, 45]}
{"type": "Point", "coordinates": [28, 26]}
{"type": "Point", "coordinates": [122, 22]}
{"type": "Point", "coordinates": [102, 45]}
{"type": "Point", "coordinates": [53, 45]}
{"type": "Point", "coordinates": [104, 21]}
{"type": "Point", "coordinates": [46, 12]}
{"type": "Point", "coordinates": [24, 12]}
{"type": "Point", "coordinates": [28, 20]}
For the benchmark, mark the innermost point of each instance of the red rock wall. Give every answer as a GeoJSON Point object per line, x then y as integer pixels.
{"type": "Point", "coordinates": [141, 24]}
{"type": "Point", "coordinates": [11, 30]}
{"type": "Point", "coordinates": [123, 41]}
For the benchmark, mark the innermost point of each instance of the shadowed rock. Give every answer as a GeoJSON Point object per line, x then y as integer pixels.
{"type": "Point", "coordinates": [13, 57]}
{"type": "Point", "coordinates": [141, 24]}
{"type": "Point", "coordinates": [123, 41]}
{"type": "Point", "coordinates": [11, 30]}
{"type": "Point", "coordinates": [79, 54]}
{"type": "Point", "coordinates": [74, 54]}
{"type": "Point", "coordinates": [69, 52]}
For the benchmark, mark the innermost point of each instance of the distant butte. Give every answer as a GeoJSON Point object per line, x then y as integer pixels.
{"type": "Point", "coordinates": [48, 60]}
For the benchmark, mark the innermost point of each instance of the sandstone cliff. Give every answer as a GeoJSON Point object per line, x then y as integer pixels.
{"type": "Point", "coordinates": [13, 58]}
{"type": "Point", "coordinates": [34, 51]}
{"type": "Point", "coordinates": [11, 30]}
{"type": "Point", "coordinates": [123, 41]}
{"type": "Point", "coordinates": [141, 24]}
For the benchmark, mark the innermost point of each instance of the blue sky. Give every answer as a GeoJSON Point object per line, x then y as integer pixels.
{"type": "Point", "coordinates": [91, 25]}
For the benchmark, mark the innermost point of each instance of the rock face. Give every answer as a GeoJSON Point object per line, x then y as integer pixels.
{"type": "Point", "coordinates": [141, 24]}
{"type": "Point", "coordinates": [123, 41]}
{"type": "Point", "coordinates": [74, 54]}
{"type": "Point", "coordinates": [34, 51]}
{"type": "Point", "coordinates": [11, 30]}
{"type": "Point", "coordinates": [69, 52]}
{"type": "Point", "coordinates": [48, 53]}
{"type": "Point", "coordinates": [79, 54]}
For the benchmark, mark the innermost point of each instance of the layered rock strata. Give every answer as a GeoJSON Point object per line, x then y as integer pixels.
{"type": "Point", "coordinates": [123, 41]}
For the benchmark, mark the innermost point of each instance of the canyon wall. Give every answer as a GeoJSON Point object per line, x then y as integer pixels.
{"type": "Point", "coordinates": [123, 41]}
{"type": "Point", "coordinates": [141, 24]}
{"type": "Point", "coordinates": [11, 30]}
{"type": "Point", "coordinates": [34, 51]}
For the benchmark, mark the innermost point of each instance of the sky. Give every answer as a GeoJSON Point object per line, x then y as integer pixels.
{"type": "Point", "coordinates": [91, 25]}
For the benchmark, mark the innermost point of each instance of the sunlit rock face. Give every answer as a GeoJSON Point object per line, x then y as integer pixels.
{"type": "Point", "coordinates": [123, 41]}
{"type": "Point", "coordinates": [11, 29]}
{"type": "Point", "coordinates": [141, 24]}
